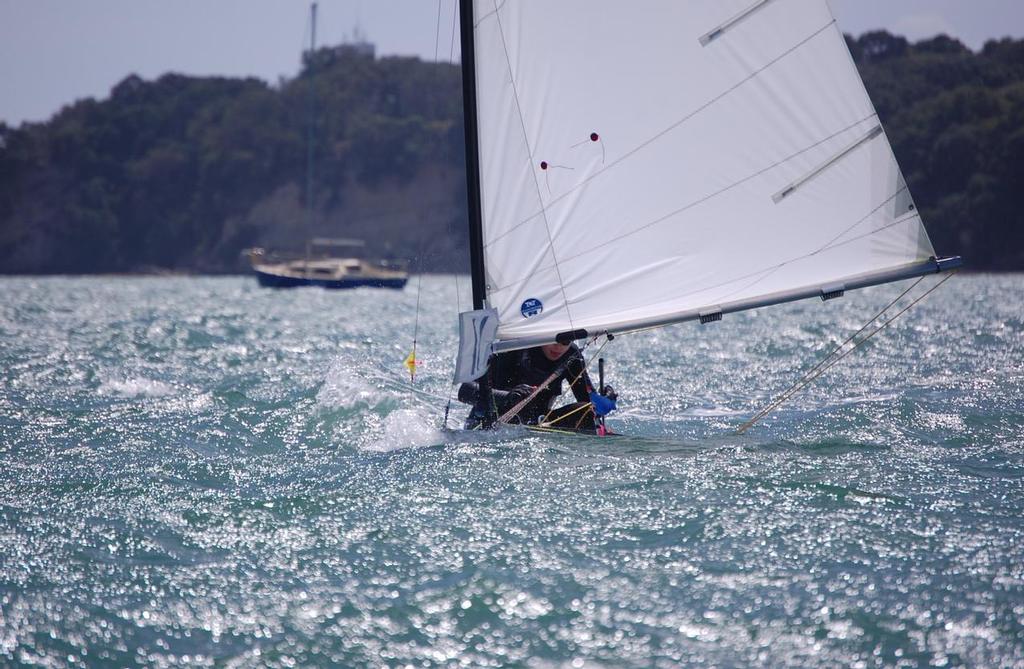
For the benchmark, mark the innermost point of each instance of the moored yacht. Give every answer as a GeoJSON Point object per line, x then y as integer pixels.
{"type": "Point", "coordinates": [325, 270]}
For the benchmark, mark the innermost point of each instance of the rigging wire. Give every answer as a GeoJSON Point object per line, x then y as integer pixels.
{"type": "Point", "coordinates": [834, 357]}
{"type": "Point", "coordinates": [444, 159]}
{"type": "Point", "coordinates": [455, 22]}
{"type": "Point", "coordinates": [411, 362]}
{"type": "Point", "coordinates": [444, 147]}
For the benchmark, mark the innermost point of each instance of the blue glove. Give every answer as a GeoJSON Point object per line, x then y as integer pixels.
{"type": "Point", "coordinates": [602, 405]}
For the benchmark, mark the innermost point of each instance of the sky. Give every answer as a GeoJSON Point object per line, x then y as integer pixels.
{"type": "Point", "coordinates": [53, 52]}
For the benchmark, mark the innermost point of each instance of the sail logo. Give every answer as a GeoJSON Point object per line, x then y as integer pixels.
{"type": "Point", "coordinates": [531, 307]}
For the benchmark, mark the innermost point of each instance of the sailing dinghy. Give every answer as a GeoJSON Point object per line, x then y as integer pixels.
{"type": "Point", "coordinates": [634, 165]}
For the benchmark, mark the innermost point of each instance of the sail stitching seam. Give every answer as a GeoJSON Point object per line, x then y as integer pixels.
{"type": "Point", "coordinates": [529, 150]}
{"type": "Point", "coordinates": [702, 200]}
{"type": "Point", "coordinates": [766, 271]}
{"type": "Point", "coordinates": [657, 136]}
{"type": "Point", "coordinates": [721, 192]}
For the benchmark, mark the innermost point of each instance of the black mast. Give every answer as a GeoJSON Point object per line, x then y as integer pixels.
{"type": "Point", "coordinates": [484, 409]}
{"type": "Point", "coordinates": [476, 235]}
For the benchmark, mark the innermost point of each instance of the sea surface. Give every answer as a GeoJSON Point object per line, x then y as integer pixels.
{"type": "Point", "coordinates": [201, 472]}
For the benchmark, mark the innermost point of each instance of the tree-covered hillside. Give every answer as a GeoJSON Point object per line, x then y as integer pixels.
{"type": "Point", "coordinates": [956, 122]}
{"type": "Point", "coordinates": [182, 173]}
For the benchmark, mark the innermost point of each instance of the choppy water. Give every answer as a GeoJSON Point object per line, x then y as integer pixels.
{"type": "Point", "coordinates": [201, 472]}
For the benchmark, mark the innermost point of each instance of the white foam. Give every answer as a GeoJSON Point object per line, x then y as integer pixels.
{"type": "Point", "coordinates": [406, 428]}
{"type": "Point", "coordinates": [395, 415]}
{"type": "Point", "coordinates": [138, 387]}
{"type": "Point", "coordinates": [346, 386]}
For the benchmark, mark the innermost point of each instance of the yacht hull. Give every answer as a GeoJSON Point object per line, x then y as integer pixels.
{"type": "Point", "coordinates": [270, 280]}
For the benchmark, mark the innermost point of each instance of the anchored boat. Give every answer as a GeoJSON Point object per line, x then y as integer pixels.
{"type": "Point", "coordinates": [319, 267]}
{"type": "Point", "coordinates": [325, 270]}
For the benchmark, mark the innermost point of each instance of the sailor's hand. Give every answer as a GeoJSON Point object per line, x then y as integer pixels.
{"type": "Point", "coordinates": [603, 404]}
{"type": "Point", "coordinates": [521, 392]}
{"type": "Point", "coordinates": [469, 393]}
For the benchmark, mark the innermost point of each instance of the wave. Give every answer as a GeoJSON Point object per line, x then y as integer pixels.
{"type": "Point", "coordinates": [348, 386]}
{"type": "Point", "coordinates": [407, 428]}
{"type": "Point", "coordinates": [393, 414]}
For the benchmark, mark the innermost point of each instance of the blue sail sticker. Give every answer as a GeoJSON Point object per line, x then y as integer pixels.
{"type": "Point", "coordinates": [531, 307]}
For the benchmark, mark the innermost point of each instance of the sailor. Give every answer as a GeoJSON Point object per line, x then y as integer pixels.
{"type": "Point", "coordinates": [516, 375]}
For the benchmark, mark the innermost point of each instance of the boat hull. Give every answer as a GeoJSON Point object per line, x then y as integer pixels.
{"type": "Point", "coordinates": [269, 280]}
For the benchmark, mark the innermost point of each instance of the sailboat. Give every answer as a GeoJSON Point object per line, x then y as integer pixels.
{"type": "Point", "coordinates": [318, 267]}
{"type": "Point", "coordinates": [636, 165]}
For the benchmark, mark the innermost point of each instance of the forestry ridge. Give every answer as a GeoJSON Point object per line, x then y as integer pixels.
{"type": "Point", "coordinates": [182, 173]}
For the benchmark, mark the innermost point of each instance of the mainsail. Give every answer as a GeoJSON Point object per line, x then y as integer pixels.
{"type": "Point", "coordinates": [648, 163]}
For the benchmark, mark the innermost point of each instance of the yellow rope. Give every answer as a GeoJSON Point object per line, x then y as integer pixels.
{"type": "Point", "coordinates": [581, 407]}
{"type": "Point", "coordinates": [585, 364]}
{"type": "Point", "coordinates": [815, 372]}
{"type": "Point", "coordinates": [550, 430]}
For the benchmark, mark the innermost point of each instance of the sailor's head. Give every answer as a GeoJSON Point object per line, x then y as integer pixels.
{"type": "Point", "coordinates": [554, 351]}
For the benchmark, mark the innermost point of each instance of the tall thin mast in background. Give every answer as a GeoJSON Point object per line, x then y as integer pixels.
{"type": "Point", "coordinates": [309, 133]}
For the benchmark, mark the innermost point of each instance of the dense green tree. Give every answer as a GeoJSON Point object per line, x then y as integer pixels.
{"type": "Point", "coordinates": [182, 172]}
{"type": "Point", "coordinates": [956, 119]}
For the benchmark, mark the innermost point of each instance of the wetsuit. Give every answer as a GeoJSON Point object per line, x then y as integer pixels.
{"type": "Point", "coordinates": [514, 374]}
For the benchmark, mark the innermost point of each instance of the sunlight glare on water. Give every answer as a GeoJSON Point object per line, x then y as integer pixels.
{"type": "Point", "coordinates": [197, 471]}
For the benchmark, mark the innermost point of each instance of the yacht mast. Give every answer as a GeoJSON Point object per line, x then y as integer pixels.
{"type": "Point", "coordinates": [476, 243]}
{"type": "Point", "coordinates": [310, 61]}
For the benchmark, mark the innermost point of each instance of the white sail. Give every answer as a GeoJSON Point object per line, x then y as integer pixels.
{"type": "Point", "coordinates": [644, 160]}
